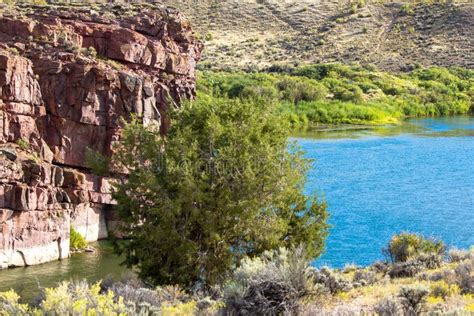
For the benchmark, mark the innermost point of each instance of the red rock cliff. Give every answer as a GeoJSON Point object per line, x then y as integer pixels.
{"type": "Point", "coordinates": [67, 75]}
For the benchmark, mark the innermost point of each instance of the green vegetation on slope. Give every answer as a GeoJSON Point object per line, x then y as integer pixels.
{"type": "Point", "coordinates": [339, 94]}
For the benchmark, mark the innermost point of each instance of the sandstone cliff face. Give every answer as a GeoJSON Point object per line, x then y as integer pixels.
{"type": "Point", "coordinates": [67, 76]}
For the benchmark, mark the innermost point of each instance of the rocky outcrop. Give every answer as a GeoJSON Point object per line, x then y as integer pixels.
{"type": "Point", "coordinates": [67, 77]}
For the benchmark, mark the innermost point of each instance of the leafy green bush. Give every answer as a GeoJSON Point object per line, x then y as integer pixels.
{"type": "Point", "coordinates": [277, 282]}
{"type": "Point", "coordinates": [225, 186]}
{"type": "Point", "coordinates": [407, 246]}
{"type": "Point", "coordinates": [76, 241]}
{"type": "Point", "coordinates": [334, 93]}
{"type": "Point", "coordinates": [296, 90]}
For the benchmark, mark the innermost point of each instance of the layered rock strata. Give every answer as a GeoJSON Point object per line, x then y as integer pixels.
{"type": "Point", "coordinates": [67, 77]}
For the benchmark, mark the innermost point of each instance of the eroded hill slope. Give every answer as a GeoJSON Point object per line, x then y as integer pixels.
{"type": "Point", "coordinates": [392, 36]}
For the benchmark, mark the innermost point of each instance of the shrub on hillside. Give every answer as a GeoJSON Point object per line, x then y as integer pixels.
{"type": "Point", "coordinates": [138, 297]}
{"type": "Point", "coordinates": [380, 267]}
{"type": "Point", "coordinates": [458, 255]}
{"type": "Point", "coordinates": [275, 283]}
{"type": "Point", "coordinates": [407, 246]}
{"type": "Point", "coordinates": [430, 260]}
{"type": "Point", "coordinates": [447, 275]}
{"type": "Point", "coordinates": [365, 277]}
{"type": "Point", "coordinates": [412, 298]}
{"type": "Point", "coordinates": [465, 276]}
{"type": "Point", "coordinates": [406, 269]}
{"type": "Point", "coordinates": [443, 289]}
{"type": "Point", "coordinates": [81, 298]}
{"type": "Point", "coordinates": [331, 281]}
{"type": "Point", "coordinates": [387, 307]}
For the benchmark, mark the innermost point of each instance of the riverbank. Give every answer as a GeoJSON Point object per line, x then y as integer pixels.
{"type": "Point", "coordinates": [326, 95]}
{"type": "Point", "coordinates": [426, 282]}
{"type": "Point", "coordinates": [101, 264]}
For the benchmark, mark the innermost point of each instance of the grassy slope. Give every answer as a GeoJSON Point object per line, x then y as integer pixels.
{"type": "Point", "coordinates": [335, 94]}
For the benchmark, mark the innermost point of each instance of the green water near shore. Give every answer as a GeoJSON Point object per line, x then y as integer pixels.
{"type": "Point", "coordinates": [92, 266]}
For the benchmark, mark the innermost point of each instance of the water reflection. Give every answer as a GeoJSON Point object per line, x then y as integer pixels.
{"type": "Point", "coordinates": [26, 281]}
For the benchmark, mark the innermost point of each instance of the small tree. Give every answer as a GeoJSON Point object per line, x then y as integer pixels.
{"type": "Point", "coordinates": [224, 184]}
{"type": "Point", "coordinates": [405, 246]}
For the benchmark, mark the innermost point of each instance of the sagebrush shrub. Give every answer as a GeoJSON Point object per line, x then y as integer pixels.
{"type": "Point", "coordinates": [331, 282]}
{"type": "Point", "coordinates": [138, 296]}
{"type": "Point", "coordinates": [275, 283]}
{"type": "Point", "coordinates": [348, 268]}
{"type": "Point", "coordinates": [412, 298]}
{"type": "Point", "coordinates": [443, 289]}
{"type": "Point", "coordinates": [447, 275]}
{"type": "Point", "coordinates": [458, 255]}
{"type": "Point", "coordinates": [405, 269]}
{"type": "Point", "coordinates": [465, 276]}
{"type": "Point", "coordinates": [387, 307]}
{"type": "Point", "coordinates": [406, 246]}
{"type": "Point", "coordinates": [365, 277]}
{"type": "Point", "coordinates": [430, 261]}
{"type": "Point", "coordinates": [380, 267]}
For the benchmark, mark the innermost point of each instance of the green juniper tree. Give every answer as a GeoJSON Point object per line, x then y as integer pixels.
{"type": "Point", "coordinates": [223, 184]}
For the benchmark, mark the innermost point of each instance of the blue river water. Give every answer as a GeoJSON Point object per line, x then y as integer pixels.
{"type": "Point", "coordinates": [418, 177]}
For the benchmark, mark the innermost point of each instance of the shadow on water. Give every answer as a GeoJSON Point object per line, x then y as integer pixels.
{"type": "Point", "coordinates": [95, 266]}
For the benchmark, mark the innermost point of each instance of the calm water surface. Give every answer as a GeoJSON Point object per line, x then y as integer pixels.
{"type": "Point", "coordinates": [418, 177]}
{"type": "Point", "coordinates": [91, 266]}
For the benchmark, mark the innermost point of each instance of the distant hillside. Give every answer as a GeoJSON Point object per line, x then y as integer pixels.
{"type": "Point", "coordinates": [392, 36]}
